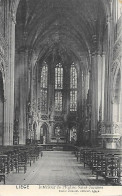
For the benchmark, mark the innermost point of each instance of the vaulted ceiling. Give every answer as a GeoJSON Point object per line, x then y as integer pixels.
{"type": "Point", "coordinates": [60, 27]}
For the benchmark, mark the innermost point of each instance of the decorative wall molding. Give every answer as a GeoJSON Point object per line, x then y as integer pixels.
{"type": "Point", "coordinates": [13, 10]}
{"type": "Point", "coordinates": [44, 117]}
{"type": "Point", "coordinates": [115, 66]}
{"type": "Point", "coordinates": [117, 48]}
{"type": "Point", "coordinates": [119, 26]}
{"type": "Point", "coordinates": [58, 118]}
{"type": "Point", "coordinates": [3, 64]}
{"type": "Point", "coordinates": [3, 50]}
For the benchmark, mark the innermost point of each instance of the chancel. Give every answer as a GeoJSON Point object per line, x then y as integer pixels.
{"type": "Point", "coordinates": [60, 92]}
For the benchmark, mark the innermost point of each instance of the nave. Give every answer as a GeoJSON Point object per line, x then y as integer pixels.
{"type": "Point", "coordinates": [61, 85]}
{"type": "Point", "coordinates": [60, 165]}
{"type": "Point", "coordinates": [55, 168]}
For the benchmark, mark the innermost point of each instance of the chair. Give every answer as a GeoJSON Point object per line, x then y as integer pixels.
{"type": "Point", "coordinates": [22, 161]}
{"type": "Point", "coordinates": [111, 169]}
{"type": "Point", "coordinates": [2, 169]}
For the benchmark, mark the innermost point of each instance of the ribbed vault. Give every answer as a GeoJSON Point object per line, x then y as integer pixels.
{"type": "Point", "coordinates": [64, 28]}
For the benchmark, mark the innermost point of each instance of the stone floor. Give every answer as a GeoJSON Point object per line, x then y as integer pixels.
{"type": "Point", "coordinates": [55, 168]}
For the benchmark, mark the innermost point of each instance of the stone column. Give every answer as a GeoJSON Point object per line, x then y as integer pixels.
{"type": "Point", "coordinates": [94, 93]}
{"type": "Point", "coordinates": [23, 64]}
{"type": "Point", "coordinates": [33, 98]}
{"type": "Point", "coordinates": [28, 105]}
{"type": "Point", "coordinates": [38, 102]}
{"type": "Point", "coordinates": [10, 21]}
{"type": "Point", "coordinates": [108, 114]}
{"type": "Point", "coordinates": [102, 86]}
{"type": "Point", "coordinates": [97, 89]}
{"type": "Point", "coordinates": [109, 136]}
{"type": "Point", "coordinates": [51, 98]}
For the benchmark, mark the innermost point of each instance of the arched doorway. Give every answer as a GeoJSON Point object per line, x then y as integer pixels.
{"type": "Point", "coordinates": [44, 134]}
{"type": "Point", "coordinates": [1, 108]}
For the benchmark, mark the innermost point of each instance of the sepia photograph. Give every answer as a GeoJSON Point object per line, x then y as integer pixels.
{"type": "Point", "coordinates": [61, 95]}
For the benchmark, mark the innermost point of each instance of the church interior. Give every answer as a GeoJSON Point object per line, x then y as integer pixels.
{"type": "Point", "coordinates": [61, 92]}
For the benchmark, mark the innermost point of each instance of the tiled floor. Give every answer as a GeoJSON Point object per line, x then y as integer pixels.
{"type": "Point", "coordinates": [55, 168]}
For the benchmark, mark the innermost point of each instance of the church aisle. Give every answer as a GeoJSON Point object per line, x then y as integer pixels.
{"type": "Point", "coordinates": [55, 168]}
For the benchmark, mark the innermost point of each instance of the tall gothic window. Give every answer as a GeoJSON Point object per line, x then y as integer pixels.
{"type": "Point", "coordinates": [73, 88]}
{"type": "Point", "coordinates": [43, 85]}
{"type": "Point", "coordinates": [58, 87]}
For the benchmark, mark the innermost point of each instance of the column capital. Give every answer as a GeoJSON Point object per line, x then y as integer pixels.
{"type": "Point", "coordinates": [95, 50]}
{"type": "Point", "coordinates": [13, 17]}
{"type": "Point", "coordinates": [109, 19]}
{"type": "Point", "coordinates": [94, 44]}
{"type": "Point", "coordinates": [103, 53]}
{"type": "Point", "coordinates": [13, 11]}
{"type": "Point", "coordinates": [111, 127]}
{"type": "Point", "coordinates": [97, 53]}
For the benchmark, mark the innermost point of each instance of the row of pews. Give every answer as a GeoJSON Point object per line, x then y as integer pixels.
{"type": "Point", "coordinates": [14, 158]}
{"type": "Point", "coordinates": [102, 162]}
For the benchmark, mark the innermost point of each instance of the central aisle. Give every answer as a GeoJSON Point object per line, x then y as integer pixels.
{"type": "Point", "coordinates": [54, 168]}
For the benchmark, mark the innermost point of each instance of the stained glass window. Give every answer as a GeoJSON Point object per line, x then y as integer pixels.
{"type": "Point", "coordinates": [73, 88]}
{"type": "Point", "coordinates": [44, 74]}
{"type": "Point", "coordinates": [58, 87]}
{"type": "Point", "coordinates": [73, 77]}
{"type": "Point", "coordinates": [73, 100]}
{"type": "Point", "coordinates": [43, 85]}
{"type": "Point", "coordinates": [43, 99]}
{"type": "Point", "coordinates": [58, 77]}
{"type": "Point", "coordinates": [58, 101]}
